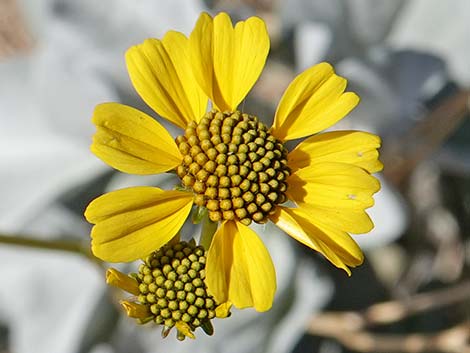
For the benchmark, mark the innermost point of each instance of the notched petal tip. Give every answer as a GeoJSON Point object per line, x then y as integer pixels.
{"type": "Point", "coordinates": [228, 60]}
{"type": "Point", "coordinates": [160, 71]}
{"type": "Point", "coordinates": [131, 223]}
{"type": "Point", "coordinates": [239, 268]}
{"type": "Point", "coordinates": [204, 17]}
{"type": "Point", "coordinates": [131, 141]}
{"type": "Point", "coordinates": [314, 101]}
{"type": "Point", "coordinates": [333, 185]}
{"type": "Point", "coordinates": [337, 246]}
{"type": "Point", "coordinates": [349, 146]}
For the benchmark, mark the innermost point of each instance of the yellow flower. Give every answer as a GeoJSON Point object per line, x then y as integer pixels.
{"type": "Point", "coordinates": [169, 290]}
{"type": "Point", "coordinates": [231, 163]}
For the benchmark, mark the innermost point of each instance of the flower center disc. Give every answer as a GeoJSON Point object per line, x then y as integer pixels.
{"type": "Point", "coordinates": [235, 167]}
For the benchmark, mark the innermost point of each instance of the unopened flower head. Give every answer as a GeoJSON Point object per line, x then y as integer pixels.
{"type": "Point", "coordinates": [169, 290]}
{"type": "Point", "coordinates": [230, 164]}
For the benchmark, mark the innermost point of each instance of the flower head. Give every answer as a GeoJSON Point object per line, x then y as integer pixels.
{"type": "Point", "coordinates": [231, 164]}
{"type": "Point", "coordinates": [169, 289]}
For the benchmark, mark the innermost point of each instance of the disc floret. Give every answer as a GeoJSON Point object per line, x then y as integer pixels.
{"type": "Point", "coordinates": [234, 166]}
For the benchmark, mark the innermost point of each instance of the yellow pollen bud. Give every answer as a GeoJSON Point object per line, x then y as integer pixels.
{"type": "Point", "coordinates": [232, 169]}
{"type": "Point", "coordinates": [236, 179]}
{"type": "Point", "coordinates": [224, 193]}
{"type": "Point", "coordinates": [235, 191]}
{"type": "Point", "coordinates": [212, 180]}
{"type": "Point", "coordinates": [195, 150]}
{"type": "Point", "coordinates": [263, 177]}
{"type": "Point", "coordinates": [258, 217]}
{"type": "Point", "coordinates": [228, 215]}
{"type": "Point", "coordinates": [215, 216]}
{"type": "Point", "coordinates": [205, 145]}
{"type": "Point", "coordinates": [199, 200]}
{"type": "Point", "coordinates": [212, 153]}
{"type": "Point", "coordinates": [193, 140]}
{"type": "Point", "coordinates": [266, 207]}
{"type": "Point", "coordinates": [194, 168]}
{"type": "Point", "coordinates": [199, 187]}
{"type": "Point", "coordinates": [245, 185]}
{"type": "Point", "coordinates": [252, 208]}
{"type": "Point", "coordinates": [201, 158]}
{"type": "Point", "coordinates": [212, 205]}
{"type": "Point", "coordinates": [224, 181]}
{"type": "Point", "coordinates": [211, 192]}
{"type": "Point", "coordinates": [204, 135]}
{"type": "Point", "coordinates": [238, 202]}
{"type": "Point", "coordinates": [257, 166]}
{"type": "Point", "coordinates": [221, 170]}
{"type": "Point", "coordinates": [248, 196]}
{"type": "Point", "coordinates": [202, 175]}
{"type": "Point", "coordinates": [210, 166]}
{"type": "Point", "coordinates": [225, 205]}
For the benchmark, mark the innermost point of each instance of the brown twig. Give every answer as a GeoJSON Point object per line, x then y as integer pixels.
{"type": "Point", "coordinates": [452, 340]}
{"type": "Point", "coordinates": [392, 311]}
{"type": "Point", "coordinates": [401, 158]}
{"type": "Point", "coordinates": [13, 34]}
{"type": "Point", "coordinates": [350, 328]}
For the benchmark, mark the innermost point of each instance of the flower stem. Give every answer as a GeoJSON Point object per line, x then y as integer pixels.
{"type": "Point", "coordinates": [207, 231]}
{"type": "Point", "coordinates": [60, 245]}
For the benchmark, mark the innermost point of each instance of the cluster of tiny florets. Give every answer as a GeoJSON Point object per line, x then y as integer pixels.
{"type": "Point", "coordinates": [171, 283]}
{"type": "Point", "coordinates": [234, 166]}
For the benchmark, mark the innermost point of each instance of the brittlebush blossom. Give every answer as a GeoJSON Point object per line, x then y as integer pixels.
{"type": "Point", "coordinates": [229, 162]}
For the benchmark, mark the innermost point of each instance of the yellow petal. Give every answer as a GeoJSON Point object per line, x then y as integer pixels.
{"type": "Point", "coordinates": [135, 310]}
{"type": "Point", "coordinates": [337, 246]}
{"type": "Point", "coordinates": [131, 141]}
{"type": "Point", "coordinates": [347, 220]}
{"type": "Point", "coordinates": [227, 61]}
{"type": "Point", "coordinates": [223, 310]}
{"type": "Point", "coordinates": [239, 268]}
{"type": "Point", "coordinates": [184, 328]}
{"type": "Point", "coordinates": [313, 102]}
{"type": "Point", "coordinates": [120, 280]}
{"type": "Point", "coordinates": [333, 185]}
{"type": "Point", "coordinates": [131, 223]}
{"type": "Point", "coordinates": [161, 73]}
{"type": "Point", "coordinates": [353, 147]}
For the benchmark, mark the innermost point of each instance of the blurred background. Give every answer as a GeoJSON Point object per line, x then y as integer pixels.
{"type": "Point", "coordinates": [410, 63]}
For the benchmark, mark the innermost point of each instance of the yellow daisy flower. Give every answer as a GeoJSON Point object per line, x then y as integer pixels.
{"type": "Point", "coordinates": [229, 162]}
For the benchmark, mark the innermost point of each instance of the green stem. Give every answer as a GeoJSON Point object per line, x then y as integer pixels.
{"type": "Point", "coordinates": [59, 245]}
{"type": "Point", "coordinates": [207, 232]}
